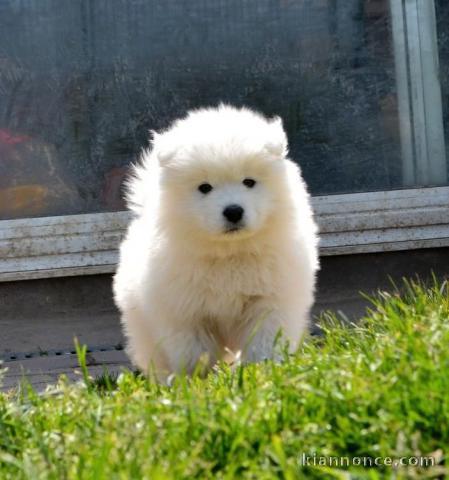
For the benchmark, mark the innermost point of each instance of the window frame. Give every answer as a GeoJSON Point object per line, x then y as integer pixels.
{"type": "Point", "coordinates": [415, 47]}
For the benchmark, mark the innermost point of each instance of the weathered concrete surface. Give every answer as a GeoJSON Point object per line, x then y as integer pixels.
{"type": "Point", "coordinates": [343, 278]}
{"type": "Point", "coordinates": [48, 314]}
{"type": "Point", "coordinates": [45, 315]}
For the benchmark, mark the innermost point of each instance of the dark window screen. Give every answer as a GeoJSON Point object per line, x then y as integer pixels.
{"type": "Point", "coordinates": [82, 82]}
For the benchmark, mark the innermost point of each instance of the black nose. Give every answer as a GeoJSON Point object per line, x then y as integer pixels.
{"type": "Point", "coordinates": [233, 213]}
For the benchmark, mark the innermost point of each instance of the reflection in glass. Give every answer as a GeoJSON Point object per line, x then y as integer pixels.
{"type": "Point", "coordinates": [82, 82]}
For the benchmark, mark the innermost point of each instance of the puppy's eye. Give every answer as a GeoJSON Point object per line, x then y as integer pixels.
{"type": "Point", "coordinates": [249, 182]}
{"type": "Point", "coordinates": [205, 188]}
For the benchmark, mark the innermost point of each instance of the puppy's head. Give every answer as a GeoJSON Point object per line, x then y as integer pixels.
{"type": "Point", "coordinates": [222, 173]}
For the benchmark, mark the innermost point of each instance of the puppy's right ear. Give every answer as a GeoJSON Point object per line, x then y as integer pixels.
{"type": "Point", "coordinates": [276, 143]}
{"type": "Point", "coordinates": [162, 148]}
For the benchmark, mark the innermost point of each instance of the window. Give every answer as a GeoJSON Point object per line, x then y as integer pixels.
{"type": "Point", "coordinates": [362, 86]}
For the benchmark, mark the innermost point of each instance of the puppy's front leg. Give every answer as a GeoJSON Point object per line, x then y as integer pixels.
{"type": "Point", "coordinates": [261, 342]}
{"type": "Point", "coordinates": [268, 329]}
{"type": "Point", "coordinates": [186, 350]}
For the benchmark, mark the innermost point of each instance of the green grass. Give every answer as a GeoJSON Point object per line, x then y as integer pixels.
{"type": "Point", "coordinates": [379, 389]}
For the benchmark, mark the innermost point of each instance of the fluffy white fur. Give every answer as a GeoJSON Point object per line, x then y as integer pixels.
{"type": "Point", "coordinates": [187, 284]}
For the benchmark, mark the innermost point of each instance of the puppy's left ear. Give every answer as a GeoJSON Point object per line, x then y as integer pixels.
{"type": "Point", "coordinates": [276, 143]}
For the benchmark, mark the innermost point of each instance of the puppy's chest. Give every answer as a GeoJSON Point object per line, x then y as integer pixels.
{"type": "Point", "coordinates": [227, 285]}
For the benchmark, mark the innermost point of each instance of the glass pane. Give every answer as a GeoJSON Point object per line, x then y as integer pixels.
{"type": "Point", "coordinates": [82, 82]}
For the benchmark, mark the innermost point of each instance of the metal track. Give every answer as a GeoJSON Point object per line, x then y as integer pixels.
{"type": "Point", "coordinates": [55, 352]}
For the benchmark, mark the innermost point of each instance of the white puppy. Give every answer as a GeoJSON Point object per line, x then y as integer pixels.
{"type": "Point", "coordinates": [222, 252]}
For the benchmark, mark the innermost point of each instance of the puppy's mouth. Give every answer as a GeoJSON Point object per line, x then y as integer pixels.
{"type": "Point", "coordinates": [230, 229]}
{"type": "Point", "coordinates": [235, 232]}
